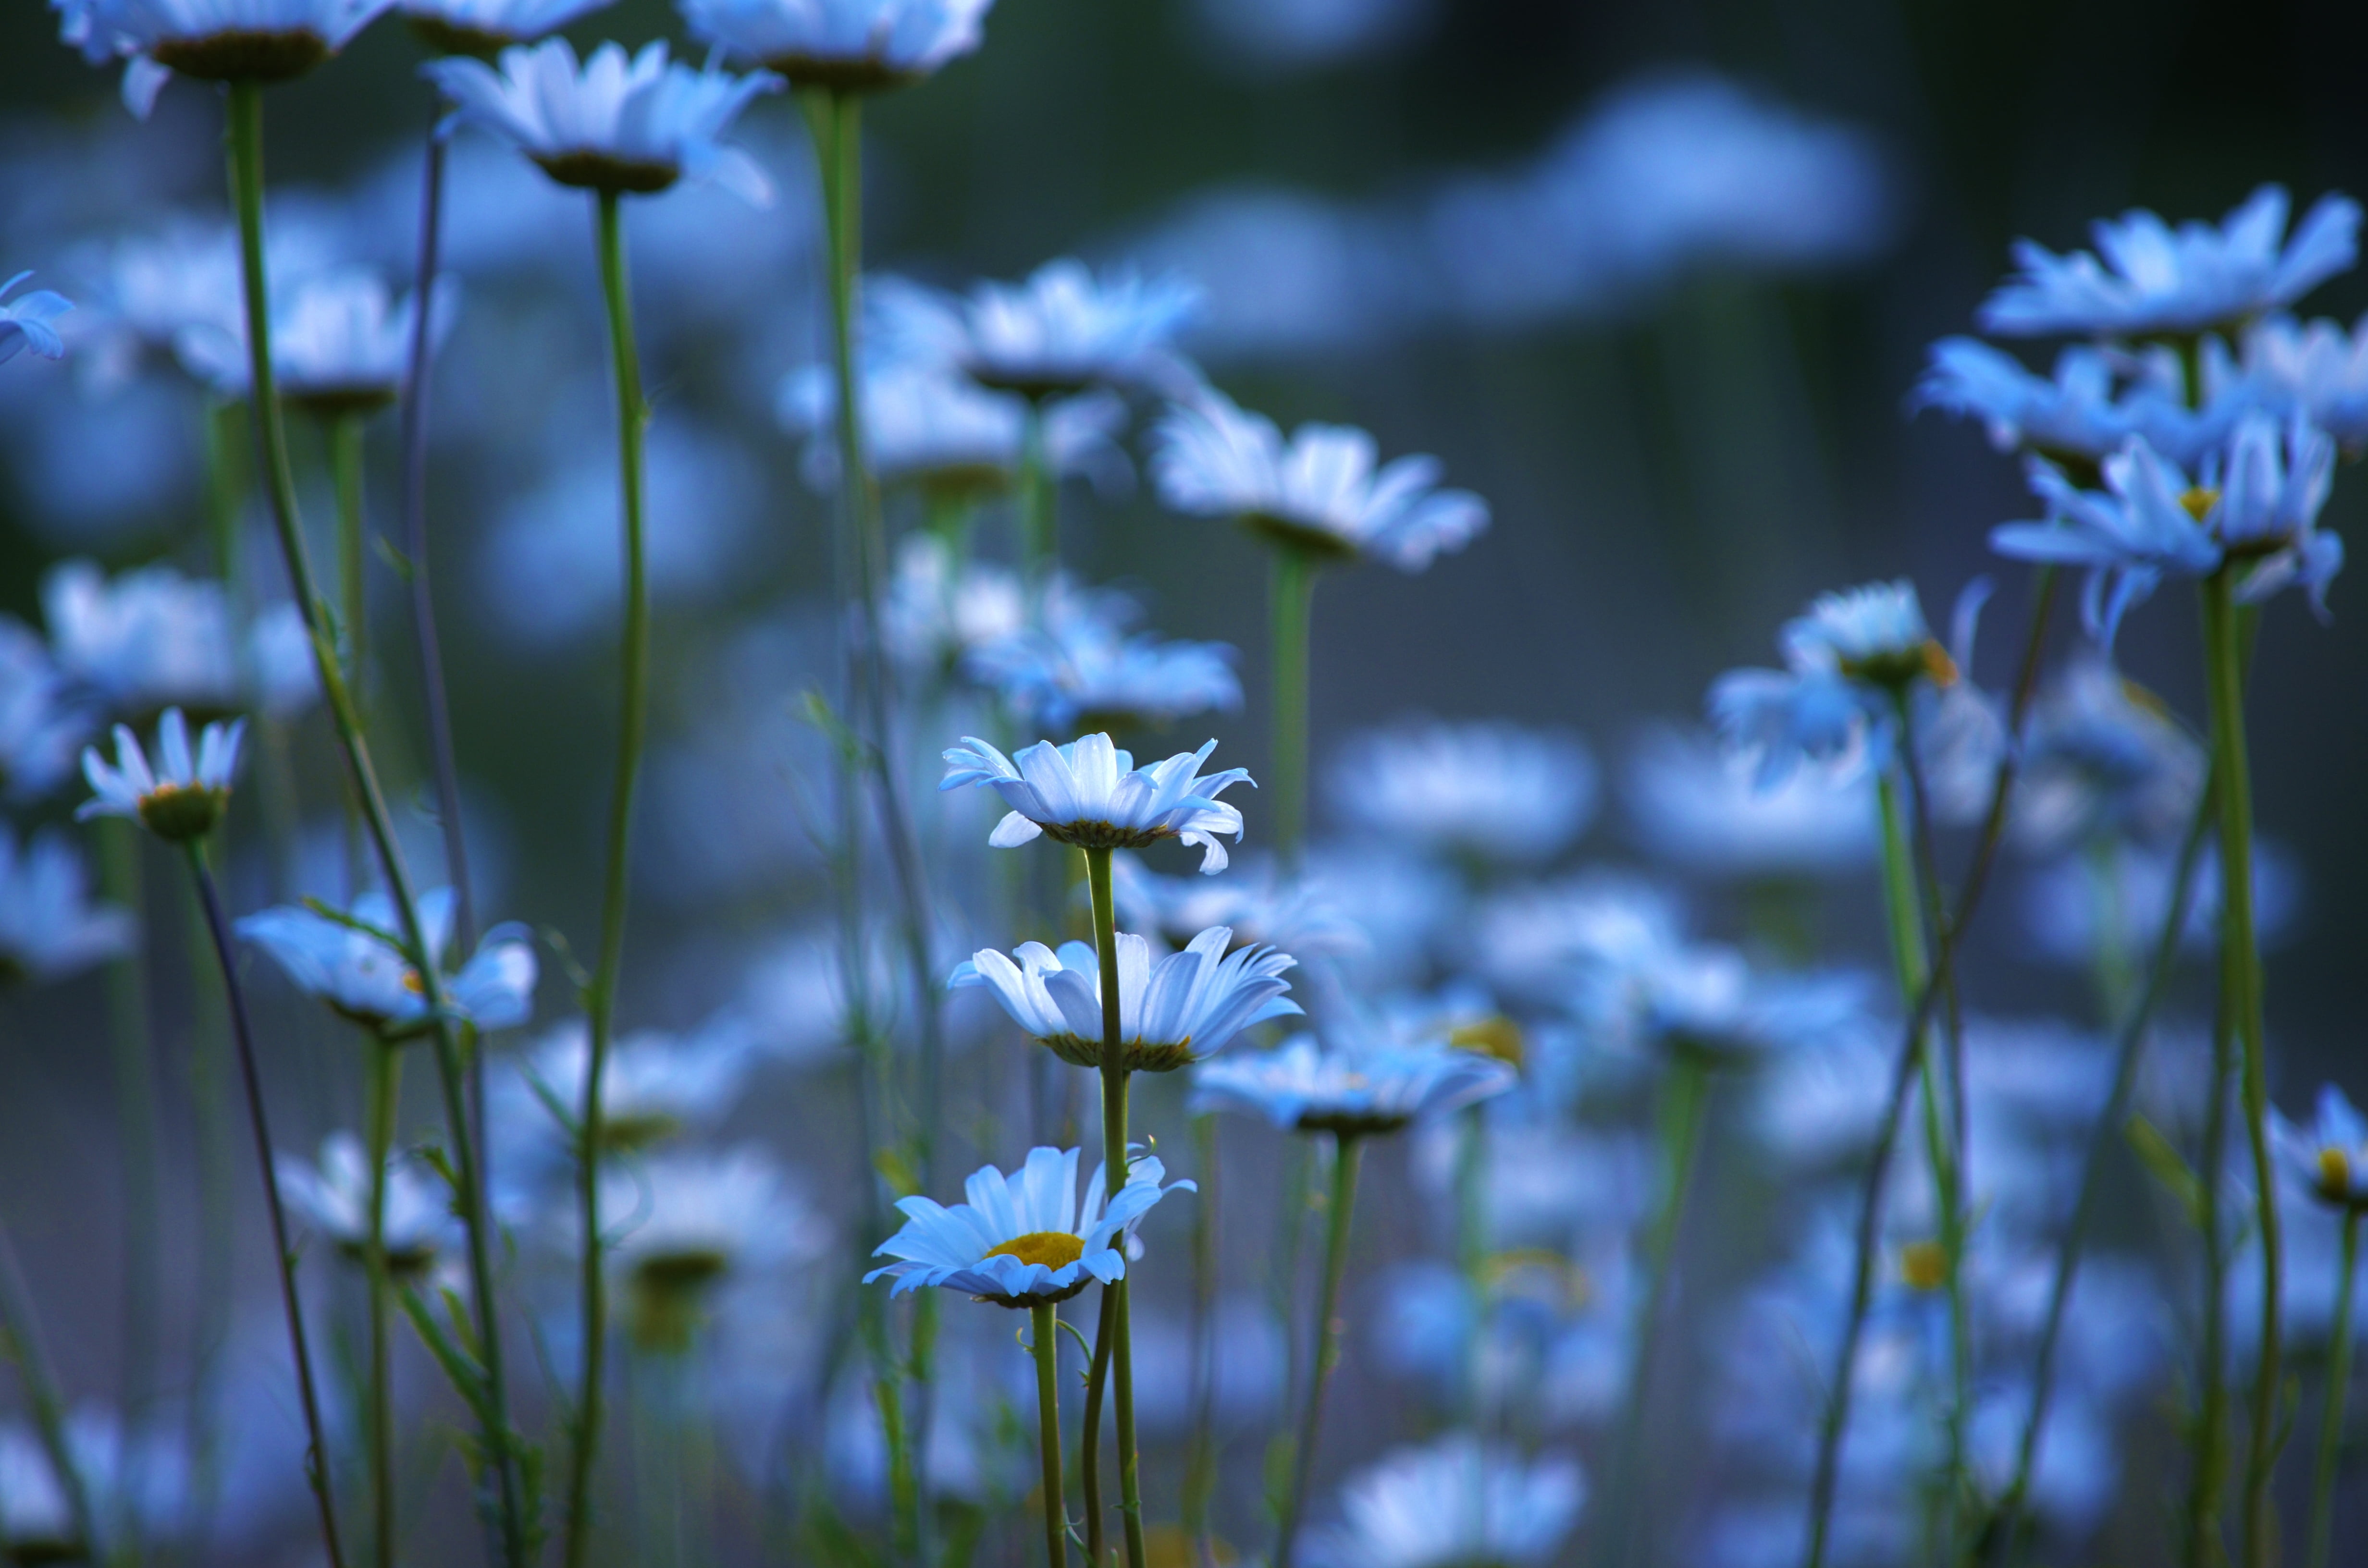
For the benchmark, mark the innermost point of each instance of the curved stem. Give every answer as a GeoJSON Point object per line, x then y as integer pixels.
{"type": "Point", "coordinates": [2338, 1385]}
{"type": "Point", "coordinates": [1048, 1431]}
{"type": "Point", "coordinates": [1291, 603]}
{"type": "Point", "coordinates": [317, 1460]}
{"type": "Point", "coordinates": [246, 191]}
{"type": "Point", "coordinates": [632, 416]}
{"type": "Point", "coordinates": [385, 1091]}
{"type": "Point", "coordinates": [1345, 1150]}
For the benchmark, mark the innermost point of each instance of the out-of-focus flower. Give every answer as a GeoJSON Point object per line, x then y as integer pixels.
{"type": "Point", "coordinates": [148, 638]}
{"type": "Point", "coordinates": [653, 1085]}
{"type": "Point", "coordinates": [2102, 757]}
{"type": "Point", "coordinates": [355, 962]}
{"type": "Point", "coordinates": [25, 321]}
{"type": "Point", "coordinates": [1290, 35]}
{"type": "Point", "coordinates": [335, 1196]}
{"type": "Point", "coordinates": [148, 287]}
{"type": "Point", "coordinates": [1258, 902]}
{"type": "Point", "coordinates": [1083, 672]}
{"type": "Point", "coordinates": [2152, 279]}
{"type": "Point", "coordinates": [210, 41]}
{"type": "Point", "coordinates": [1181, 1009]}
{"type": "Point", "coordinates": [1536, 942]}
{"type": "Point", "coordinates": [1319, 493]}
{"type": "Point", "coordinates": [1455, 1502]}
{"type": "Point", "coordinates": [1063, 331]}
{"type": "Point", "coordinates": [688, 1221]}
{"type": "Point", "coordinates": [49, 927]}
{"type": "Point", "coordinates": [1090, 794]}
{"type": "Point", "coordinates": [2313, 371]}
{"type": "Point", "coordinates": [1023, 1240]}
{"type": "Point", "coordinates": [1306, 1087]}
{"type": "Point", "coordinates": [2259, 502]}
{"type": "Point", "coordinates": [1492, 790]}
{"type": "Point", "coordinates": [1696, 805]}
{"type": "Point", "coordinates": [848, 45]}
{"type": "Point", "coordinates": [42, 728]}
{"type": "Point", "coordinates": [2075, 414]}
{"type": "Point", "coordinates": [186, 793]}
{"type": "Point", "coordinates": [612, 124]}
{"type": "Point", "coordinates": [2328, 1156]}
{"type": "Point", "coordinates": [2078, 908]}
{"type": "Point", "coordinates": [1706, 1000]}
{"type": "Point", "coordinates": [340, 343]}
{"type": "Point", "coordinates": [485, 28]}
{"type": "Point", "coordinates": [939, 608]}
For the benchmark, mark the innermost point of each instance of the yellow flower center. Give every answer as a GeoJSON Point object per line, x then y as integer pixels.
{"type": "Point", "coordinates": [1924, 1266]}
{"type": "Point", "coordinates": [413, 984]}
{"type": "Point", "coordinates": [1496, 1036]}
{"type": "Point", "coordinates": [1053, 1249]}
{"type": "Point", "coordinates": [2199, 501]}
{"type": "Point", "coordinates": [2335, 1172]}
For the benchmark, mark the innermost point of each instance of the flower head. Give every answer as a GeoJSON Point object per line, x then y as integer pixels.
{"type": "Point", "coordinates": [1696, 805]}
{"type": "Point", "coordinates": [849, 45]}
{"type": "Point", "coordinates": [340, 343]}
{"type": "Point", "coordinates": [1492, 790]}
{"type": "Point", "coordinates": [1180, 1010]}
{"type": "Point", "coordinates": [1319, 493]}
{"type": "Point", "coordinates": [2081, 414]}
{"type": "Point", "coordinates": [1063, 331]}
{"type": "Point", "coordinates": [1085, 671]}
{"type": "Point", "coordinates": [485, 28]}
{"type": "Point", "coordinates": [653, 1085]}
{"type": "Point", "coordinates": [692, 1220]}
{"type": "Point", "coordinates": [612, 124]}
{"type": "Point", "coordinates": [210, 41]}
{"type": "Point", "coordinates": [1350, 1092]}
{"type": "Point", "coordinates": [2104, 757]}
{"type": "Point", "coordinates": [2153, 280]}
{"type": "Point", "coordinates": [1090, 794]}
{"type": "Point", "coordinates": [1023, 1240]}
{"type": "Point", "coordinates": [2313, 371]}
{"type": "Point", "coordinates": [25, 321]}
{"type": "Point", "coordinates": [49, 927]}
{"type": "Point", "coordinates": [183, 796]}
{"type": "Point", "coordinates": [355, 961]}
{"type": "Point", "coordinates": [2328, 1156]}
{"type": "Point", "coordinates": [1456, 1503]}
{"type": "Point", "coordinates": [335, 1196]}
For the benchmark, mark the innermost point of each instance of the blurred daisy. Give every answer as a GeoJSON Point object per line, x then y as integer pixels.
{"type": "Point", "coordinates": [612, 124]}
{"type": "Point", "coordinates": [1492, 790]}
{"type": "Point", "coordinates": [930, 426]}
{"type": "Point", "coordinates": [1454, 1503]}
{"type": "Point", "coordinates": [210, 41]}
{"type": "Point", "coordinates": [42, 728]}
{"type": "Point", "coordinates": [653, 1085]}
{"type": "Point", "coordinates": [2153, 280]}
{"type": "Point", "coordinates": [334, 1196]}
{"type": "Point", "coordinates": [1319, 493]}
{"type": "Point", "coordinates": [1083, 672]}
{"type": "Point", "coordinates": [1707, 1001]}
{"type": "Point", "coordinates": [485, 28]}
{"type": "Point", "coordinates": [1537, 942]}
{"type": "Point", "coordinates": [2075, 414]}
{"type": "Point", "coordinates": [183, 796]}
{"type": "Point", "coordinates": [1306, 1088]}
{"type": "Point", "coordinates": [2078, 909]}
{"type": "Point", "coordinates": [1260, 902]}
{"type": "Point", "coordinates": [355, 962]}
{"type": "Point", "coordinates": [1090, 794]}
{"type": "Point", "coordinates": [340, 343]}
{"type": "Point", "coordinates": [1063, 332]}
{"type": "Point", "coordinates": [150, 286]}
{"type": "Point", "coordinates": [2327, 1155]}
{"type": "Point", "coordinates": [144, 640]}
{"type": "Point", "coordinates": [686, 1222]}
{"type": "Point", "coordinates": [844, 45]}
{"type": "Point", "coordinates": [1023, 1240]}
{"type": "Point", "coordinates": [1181, 1009]}
{"type": "Point", "coordinates": [2314, 372]}
{"type": "Point", "coordinates": [49, 927]}
{"type": "Point", "coordinates": [1696, 805]}
{"type": "Point", "coordinates": [25, 321]}
{"type": "Point", "coordinates": [2104, 757]}
{"type": "Point", "coordinates": [939, 606]}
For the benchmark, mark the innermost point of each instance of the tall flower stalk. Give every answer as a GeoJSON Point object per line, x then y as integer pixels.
{"type": "Point", "coordinates": [1115, 1321]}
{"type": "Point", "coordinates": [2338, 1387]}
{"type": "Point", "coordinates": [1291, 595]}
{"type": "Point", "coordinates": [489, 1396]}
{"type": "Point", "coordinates": [1346, 1146]}
{"type": "Point", "coordinates": [1043, 1321]}
{"type": "Point", "coordinates": [386, 1096]}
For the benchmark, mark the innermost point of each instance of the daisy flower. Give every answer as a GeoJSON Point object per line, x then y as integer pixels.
{"type": "Point", "coordinates": [847, 45]}
{"type": "Point", "coordinates": [25, 321]}
{"type": "Point", "coordinates": [1085, 671]}
{"type": "Point", "coordinates": [355, 961]}
{"type": "Point", "coordinates": [335, 1195]}
{"type": "Point", "coordinates": [1306, 1087]}
{"type": "Point", "coordinates": [1453, 1503]}
{"type": "Point", "coordinates": [485, 28]}
{"type": "Point", "coordinates": [1063, 331]}
{"type": "Point", "coordinates": [340, 343]}
{"type": "Point", "coordinates": [1493, 790]}
{"type": "Point", "coordinates": [1172, 1012]}
{"type": "Point", "coordinates": [210, 41]}
{"type": "Point", "coordinates": [2329, 1153]}
{"type": "Point", "coordinates": [183, 796]}
{"type": "Point", "coordinates": [1090, 794]}
{"type": "Point", "coordinates": [49, 927]}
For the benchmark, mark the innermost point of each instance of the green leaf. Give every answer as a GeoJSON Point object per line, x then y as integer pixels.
{"type": "Point", "coordinates": [2167, 1166]}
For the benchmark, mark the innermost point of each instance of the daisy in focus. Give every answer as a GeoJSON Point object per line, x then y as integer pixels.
{"type": "Point", "coordinates": [1172, 1012]}
{"type": "Point", "coordinates": [1306, 1087]}
{"type": "Point", "coordinates": [1090, 794]}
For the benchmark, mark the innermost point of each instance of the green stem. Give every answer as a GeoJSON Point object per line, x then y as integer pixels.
{"type": "Point", "coordinates": [1048, 1430]}
{"type": "Point", "coordinates": [1114, 1162]}
{"type": "Point", "coordinates": [2338, 1385]}
{"type": "Point", "coordinates": [316, 1465]}
{"type": "Point", "coordinates": [216, 1156]}
{"type": "Point", "coordinates": [1346, 1147]}
{"type": "Point", "coordinates": [600, 1001]}
{"type": "Point", "coordinates": [23, 1348]}
{"type": "Point", "coordinates": [1200, 1450]}
{"type": "Point", "coordinates": [133, 1069]}
{"type": "Point", "coordinates": [1291, 602]}
{"type": "Point", "coordinates": [2208, 1484]}
{"type": "Point", "coordinates": [1039, 528]}
{"type": "Point", "coordinates": [246, 191]}
{"type": "Point", "coordinates": [1089, 1440]}
{"type": "Point", "coordinates": [385, 1092]}
{"type": "Point", "coordinates": [2240, 980]}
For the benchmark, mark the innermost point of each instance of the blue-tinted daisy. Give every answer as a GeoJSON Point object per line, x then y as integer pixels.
{"type": "Point", "coordinates": [2327, 1154]}
{"type": "Point", "coordinates": [1180, 1009]}
{"type": "Point", "coordinates": [1322, 494]}
{"type": "Point", "coordinates": [1451, 1504]}
{"type": "Point", "coordinates": [632, 125]}
{"type": "Point", "coordinates": [1023, 1240]}
{"type": "Point", "coordinates": [355, 962]}
{"type": "Point", "coordinates": [183, 796]}
{"type": "Point", "coordinates": [485, 28]}
{"type": "Point", "coordinates": [41, 725]}
{"type": "Point", "coordinates": [210, 41]}
{"type": "Point", "coordinates": [689, 1222]}
{"type": "Point", "coordinates": [653, 1085]}
{"type": "Point", "coordinates": [2314, 372]}
{"type": "Point", "coordinates": [1063, 331]}
{"type": "Point", "coordinates": [335, 1195]}
{"type": "Point", "coordinates": [847, 45]}
{"type": "Point", "coordinates": [144, 639]}
{"type": "Point", "coordinates": [2146, 278]}
{"type": "Point", "coordinates": [928, 426]}
{"type": "Point", "coordinates": [1492, 790]}
{"type": "Point", "coordinates": [1306, 1087]}
{"type": "Point", "coordinates": [49, 927]}
{"type": "Point", "coordinates": [1696, 805]}
{"type": "Point", "coordinates": [1090, 794]}
{"type": "Point", "coordinates": [340, 343]}
{"type": "Point", "coordinates": [1258, 902]}
{"type": "Point", "coordinates": [25, 321]}
{"type": "Point", "coordinates": [2103, 758]}
{"type": "Point", "coordinates": [1083, 671]}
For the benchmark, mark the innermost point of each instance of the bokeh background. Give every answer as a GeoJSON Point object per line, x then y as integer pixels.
{"type": "Point", "coordinates": [1655, 280]}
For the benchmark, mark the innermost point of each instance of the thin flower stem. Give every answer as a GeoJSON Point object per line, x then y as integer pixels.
{"type": "Point", "coordinates": [1291, 602]}
{"type": "Point", "coordinates": [1471, 1252]}
{"type": "Point", "coordinates": [1040, 496]}
{"type": "Point", "coordinates": [1201, 1446]}
{"type": "Point", "coordinates": [1048, 1430]}
{"type": "Point", "coordinates": [2339, 1385]}
{"type": "Point", "coordinates": [316, 1463]}
{"type": "Point", "coordinates": [2129, 1047]}
{"type": "Point", "coordinates": [2240, 980]}
{"type": "Point", "coordinates": [2207, 1487]}
{"type": "Point", "coordinates": [600, 1001]}
{"type": "Point", "coordinates": [1089, 1440]}
{"type": "Point", "coordinates": [27, 1352]}
{"type": "Point", "coordinates": [1114, 1161]}
{"type": "Point", "coordinates": [1345, 1148]}
{"type": "Point", "coordinates": [344, 436]}
{"type": "Point", "coordinates": [385, 1092]}
{"type": "Point", "coordinates": [246, 191]}
{"type": "Point", "coordinates": [1826, 1475]}
{"type": "Point", "coordinates": [1683, 1101]}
